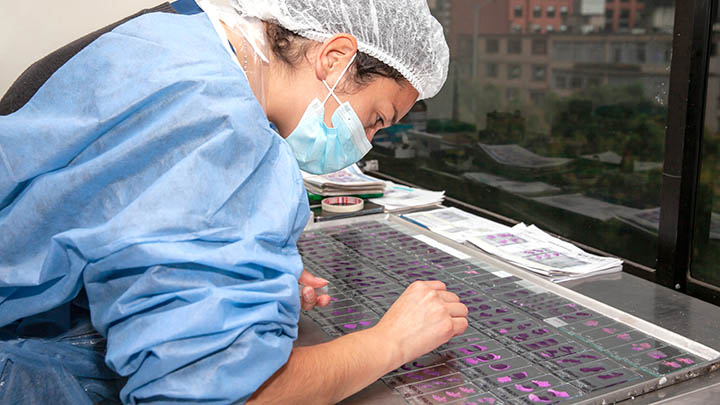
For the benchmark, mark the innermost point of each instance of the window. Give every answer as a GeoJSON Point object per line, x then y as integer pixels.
{"type": "Point", "coordinates": [539, 73]}
{"type": "Point", "coordinates": [624, 20]}
{"type": "Point", "coordinates": [640, 52]}
{"type": "Point", "coordinates": [539, 47]}
{"type": "Point", "coordinates": [491, 45]}
{"type": "Point", "coordinates": [537, 11]}
{"type": "Point", "coordinates": [514, 46]}
{"type": "Point", "coordinates": [563, 28]}
{"type": "Point", "coordinates": [491, 70]}
{"type": "Point", "coordinates": [517, 12]}
{"type": "Point", "coordinates": [513, 71]}
{"type": "Point", "coordinates": [550, 28]}
{"type": "Point", "coordinates": [706, 241]}
{"type": "Point", "coordinates": [536, 28]}
{"type": "Point", "coordinates": [537, 97]}
{"type": "Point", "coordinates": [617, 55]}
{"type": "Point", "coordinates": [550, 12]}
{"type": "Point", "coordinates": [575, 103]}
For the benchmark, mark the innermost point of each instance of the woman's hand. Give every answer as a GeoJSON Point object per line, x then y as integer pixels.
{"type": "Point", "coordinates": [423, 317]}
{"type": "Point", "coordinates": [308, 298]}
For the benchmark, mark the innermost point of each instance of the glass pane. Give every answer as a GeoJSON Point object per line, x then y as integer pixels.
{"type": "Point", "coordinates": [555, 118]}
{"type": "Point", "coordinates": [706, 260]}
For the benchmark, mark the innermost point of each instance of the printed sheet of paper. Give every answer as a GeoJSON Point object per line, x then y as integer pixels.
{"type": "Point", "coordinates": [535, 250]}
{"type": "Point", "coordinates": [398, 197]}
{"type": "Point", "coordinates": [455, 224]}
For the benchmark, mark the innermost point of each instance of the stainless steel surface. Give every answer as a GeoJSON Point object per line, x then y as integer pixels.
{"type": "Point", "coordinates": [703, 390]}
{"type": "Point", "coordinates": [697, 320]}
{"type": "Point", "coordinates": [681, 320]}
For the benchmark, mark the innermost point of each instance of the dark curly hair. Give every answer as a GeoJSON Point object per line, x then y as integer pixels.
{"type": "Point", "coordinates": [291, 48]}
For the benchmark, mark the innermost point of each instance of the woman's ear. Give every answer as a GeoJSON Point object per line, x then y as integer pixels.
{"type": "Point", "coordinates": [333, 55]}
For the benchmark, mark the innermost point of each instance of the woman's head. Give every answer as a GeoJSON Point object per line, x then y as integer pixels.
{"type": "Point", "coordinates": [379, 94]}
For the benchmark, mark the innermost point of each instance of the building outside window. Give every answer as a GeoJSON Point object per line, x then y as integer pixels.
{"type": "Point", "coordinates": [491, 70]}
{"type": "Point", "coordinates": [539, 47]}
{"type": "Point", "coordinates": [539, 73]}
{"type": "Point", "coordinates": [550, 13]}
{"type": "Point", "coordinates": [492, 45]}
{"type": "Point", "coordinates": [514, 46]}
{"type": "Point", "coordinates": [513, 71]}
{"type": "Point", "coordinates": [517, 11]}
{"type": "Point", "coordinates": [596, 131]}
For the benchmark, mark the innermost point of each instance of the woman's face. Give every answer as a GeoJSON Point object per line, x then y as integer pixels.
{"type": "Point", "coordinates": [379, 104]}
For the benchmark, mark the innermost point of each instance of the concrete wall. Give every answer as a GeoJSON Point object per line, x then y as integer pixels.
{"type": "Point", "coordinates": [31, 29]}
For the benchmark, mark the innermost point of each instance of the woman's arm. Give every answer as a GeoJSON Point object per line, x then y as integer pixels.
{"type": "Point", "coordinates": [424, 317]}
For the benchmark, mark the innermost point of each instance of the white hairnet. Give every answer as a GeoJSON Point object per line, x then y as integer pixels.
{"type": "Point", "coordinates": [401, 33]}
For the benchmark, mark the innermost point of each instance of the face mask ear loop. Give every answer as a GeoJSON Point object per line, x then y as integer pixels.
{"type": "Point", "coordinates": [332, 90]}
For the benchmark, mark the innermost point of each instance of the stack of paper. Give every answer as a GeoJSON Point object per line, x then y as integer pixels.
{"type": "Point", "coordinates": [455, 224]}
{"type": "Point", "coordinates": [532, 249]}
{"type": "Point", "coordinates": [524, 246]}
{"type": "Point", "coordinates": [348, 181]}
{"type": "Point", "coordinates": [399, 198]}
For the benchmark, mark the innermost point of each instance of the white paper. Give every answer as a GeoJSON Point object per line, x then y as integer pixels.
{"type": "Point", "coordinates": [398, 197]}
{"type": "Point", "coordinates": [445, 248]}
{"type": "Point", "coordinates": [455, 224]}
{"type": "Point", "coordinates": [535, 250]}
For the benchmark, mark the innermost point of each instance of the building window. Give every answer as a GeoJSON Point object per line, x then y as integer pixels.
{"type": "Point", "coordinates": [511, 93]}
{"type": "Point", "coordinates": [537, 11]}
{"type": "Point", "coordinates": [576, 82]}
{"type": "Point", "coordinates": [491, 70]}
{"type": "Point", "coordinates": [539, 47]}
{"type": "Point", "coordinates": [536, 28]}
{"type": "Point", "coordinates": [641, 53]}
{"type": "Point", "coordinates": [539, 73]}
{"type": "Point", "coordinates": [513, 71]}
{"type": "Point", "coordinates": [550, 11]}
{"type": "Point", "coordinates": [491, 45]}
{"type": "Point", "coordinates": [624, 20]}
{"type": "Point", "coordinates": [514, 45]}
{"type": "Point", "coordinates": [563, 28]}
{"type": "Point", "coordinates": [537, 97]}
{"type": "Point", "coordinates": [518, 11]}
{"type": "Point", "coordinates": [593, 81]}
{"type": "Point", "coordinates": [516, 28]}
{"type": "Point", "coordinates": [563, 11]}
{"type": "Point", "coordinates": [550, 28]}
{"type": "Point", "coordinates": [561, 82]}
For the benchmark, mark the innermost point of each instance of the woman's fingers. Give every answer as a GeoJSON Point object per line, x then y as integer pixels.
{"type": "Point", "coordinates": [307, 279]}
{"type": "Point", "coordinates": [323, 301]}
{"type": "Point", "coordinates": [457, 309]}
{"type": "Point", "coordinates": [308, 298]}
{"type": "Point", "coordinates": [447, 296]}
{"type": "Point", "coordinates": [460, 325]}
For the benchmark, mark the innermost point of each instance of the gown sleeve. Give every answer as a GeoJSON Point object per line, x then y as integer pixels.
{"type": "Point", "coordinates": [146, 172]}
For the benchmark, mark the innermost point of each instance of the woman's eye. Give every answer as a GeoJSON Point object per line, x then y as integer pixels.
{"type": "Point", "coordinates": [379, 120]}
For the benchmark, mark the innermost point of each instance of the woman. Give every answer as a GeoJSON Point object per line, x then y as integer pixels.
{"type": "Point", "coordinates": [145, 173]}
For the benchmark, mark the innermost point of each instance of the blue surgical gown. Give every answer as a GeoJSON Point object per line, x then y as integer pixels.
{"type": "Point", "coordinates": [145, 171]}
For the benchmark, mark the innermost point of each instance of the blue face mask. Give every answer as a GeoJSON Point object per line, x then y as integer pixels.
{"type": "Point", "coordinates": [319, 149]}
